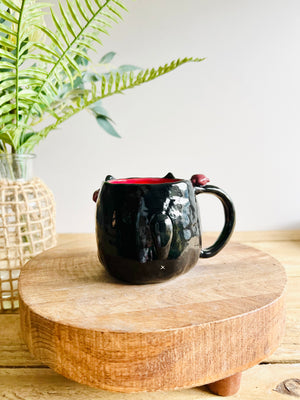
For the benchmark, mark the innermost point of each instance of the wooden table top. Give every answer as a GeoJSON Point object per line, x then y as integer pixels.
{"type": "Point", "coordinates": [23, 377]}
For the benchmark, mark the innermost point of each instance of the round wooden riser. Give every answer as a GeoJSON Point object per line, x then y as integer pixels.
{"type": "Point", "coordinates": [222, 317]}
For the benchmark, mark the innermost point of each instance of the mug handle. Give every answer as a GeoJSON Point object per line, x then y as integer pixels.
{"type": "Point", "coordinates": [229, 219]}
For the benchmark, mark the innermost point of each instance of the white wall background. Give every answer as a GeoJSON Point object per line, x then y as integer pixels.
{"type": "Point", "coordinates": [234, 117]}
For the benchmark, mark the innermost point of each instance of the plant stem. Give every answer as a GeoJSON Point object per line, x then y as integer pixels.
{"type": "Point", "coordinates": [11, 171]}
{"type": "Point", "coordinates": [3, 146]}
{"type": "Point", "coordinates": [18, 44]}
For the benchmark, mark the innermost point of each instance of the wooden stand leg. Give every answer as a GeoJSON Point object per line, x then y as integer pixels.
{"type": "Point", "coordinates": [227, 386]}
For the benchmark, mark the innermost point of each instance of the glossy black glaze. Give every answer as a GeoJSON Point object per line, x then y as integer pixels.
{"type": "Point", "coordinates": [149, 233]}
{"type": "Point", "coordinates": [229, 224]}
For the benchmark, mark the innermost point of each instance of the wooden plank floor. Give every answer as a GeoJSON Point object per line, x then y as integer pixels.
{"type": "Point", "coordinates": [24, 378]}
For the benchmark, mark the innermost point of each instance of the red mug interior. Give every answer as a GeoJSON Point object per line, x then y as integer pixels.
{"type": "Point", "coordinates": [144, 181]}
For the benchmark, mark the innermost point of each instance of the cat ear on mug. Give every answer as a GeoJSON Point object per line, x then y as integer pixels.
{"type": "Point", "coordinates": [96, 192]}
{"type": "Point", "coordinates": [169, 176]}
{"type": "Point", "coordinates": [109, 178]}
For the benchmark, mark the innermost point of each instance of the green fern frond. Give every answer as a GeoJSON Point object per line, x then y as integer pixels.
{"type": "Point", "coordinates": [50, 79]}
{"type": "Point", "coordinates": [83, 99]}
{"type": "Point", "coordinates": [18, 91]}
{"type": "Point", "coordinates": [11, 5]}
{"type": "Point", "coordinates": [73, 36]}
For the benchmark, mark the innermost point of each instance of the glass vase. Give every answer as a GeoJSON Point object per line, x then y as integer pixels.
{"type": "Point", "coordinates": [16, 167]}
{"type": "Point", "coordinates": [27, 222]}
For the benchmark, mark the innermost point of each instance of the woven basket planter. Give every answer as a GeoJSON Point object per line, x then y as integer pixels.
{"type": "Point", "coordinates": [27, 227]}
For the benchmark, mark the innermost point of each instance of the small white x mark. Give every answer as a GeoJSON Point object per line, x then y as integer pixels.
{"type": "Point", "coordinates": [162, 267]}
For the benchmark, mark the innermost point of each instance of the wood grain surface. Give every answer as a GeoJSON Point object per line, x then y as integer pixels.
{"type": "Point", "coordinates": [22, 377]}
{"type": "Point", "coordinates": [222, 317]}
{"type": "Point", "coordinates": [258, 383]}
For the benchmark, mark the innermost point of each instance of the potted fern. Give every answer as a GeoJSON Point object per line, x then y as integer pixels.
{"type": "Point", "coordinates": [46, 78]}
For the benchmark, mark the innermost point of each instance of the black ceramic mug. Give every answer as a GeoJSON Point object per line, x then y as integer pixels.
{"type": "Point", "coordinates": [148, 229]}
